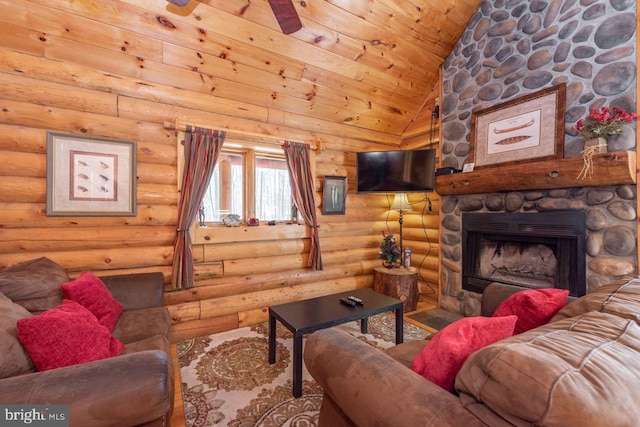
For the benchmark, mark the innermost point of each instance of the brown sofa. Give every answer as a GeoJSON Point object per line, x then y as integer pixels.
{"type": "Point", "coordinates": [134, 388]}
{"type": "Point", "coordinates": [581, 369]}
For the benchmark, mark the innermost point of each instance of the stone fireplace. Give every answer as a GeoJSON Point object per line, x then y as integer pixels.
{"type": "Point", "coordinates": [609, 232]}
{"type": "Point", "coordinates": [516, 47]}
{"type": "Point", "coordinates": [542, 250]}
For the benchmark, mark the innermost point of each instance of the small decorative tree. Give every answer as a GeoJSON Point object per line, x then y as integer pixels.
{"type": "Point", "coordinates": [390, 252]}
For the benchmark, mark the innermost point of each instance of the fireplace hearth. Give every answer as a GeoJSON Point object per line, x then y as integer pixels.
{"type": "Point", "coordinates": [534, 250]}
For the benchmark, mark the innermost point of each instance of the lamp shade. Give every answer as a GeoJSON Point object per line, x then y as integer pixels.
{"type": "Point", "coordinates": [400, 202]}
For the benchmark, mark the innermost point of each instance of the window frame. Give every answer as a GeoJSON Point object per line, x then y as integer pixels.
{"type": "Point", "coordinates": [250, 152]}
{"type": "Point", "coordinates": [239, 139]}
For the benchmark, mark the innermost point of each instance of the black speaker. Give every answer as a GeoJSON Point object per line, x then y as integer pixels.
{"type": "Point", "coordinates": [446, 171]}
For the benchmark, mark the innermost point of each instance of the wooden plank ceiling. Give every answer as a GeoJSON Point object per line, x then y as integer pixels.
{"type": "Point", "coordinates": [371, 64]}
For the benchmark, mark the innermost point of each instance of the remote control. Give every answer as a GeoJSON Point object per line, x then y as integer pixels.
{"type": "Point", "coordinates": [348, 302]}
{"type": "Point", "coordinates": [356, 300]}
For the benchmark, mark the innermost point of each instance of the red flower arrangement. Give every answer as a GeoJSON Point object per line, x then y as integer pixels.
{"type": "Point", "coordinates": [601, 123]}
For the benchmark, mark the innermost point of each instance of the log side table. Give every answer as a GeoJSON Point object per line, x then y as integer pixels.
{"type": "Point", "coordinates": [399, 283]}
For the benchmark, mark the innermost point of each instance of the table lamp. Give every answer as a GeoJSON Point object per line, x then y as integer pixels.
{"type": "Point", "coordinates": [400, 203]}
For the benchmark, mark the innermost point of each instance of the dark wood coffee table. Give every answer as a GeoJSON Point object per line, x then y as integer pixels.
{"type": "Point", "coordinates": [310, 315]}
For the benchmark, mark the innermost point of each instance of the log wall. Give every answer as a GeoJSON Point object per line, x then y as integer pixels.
{"type": "Point", "coordinates": [99, 86]}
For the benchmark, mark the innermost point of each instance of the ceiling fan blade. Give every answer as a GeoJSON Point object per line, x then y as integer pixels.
{"type": "Point", "coordinates": [180, 3]}
{"type": "Point", "coordinates": [286, 15]}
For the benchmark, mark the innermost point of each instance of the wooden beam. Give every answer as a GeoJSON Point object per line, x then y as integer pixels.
{"type": "Point", "coordinates": [236, 134]}
{"type": "Point", "coordinates": [615, 168]}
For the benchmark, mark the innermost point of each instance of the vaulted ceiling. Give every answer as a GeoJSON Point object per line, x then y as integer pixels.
{"type": "Point", "coordinates": [360, 69]}
{"type": "Point", "coordinates": [372, 64]}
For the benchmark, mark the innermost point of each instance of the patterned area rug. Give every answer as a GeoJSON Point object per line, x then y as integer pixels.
{"type": "Point", "coordinates": [227, 379]}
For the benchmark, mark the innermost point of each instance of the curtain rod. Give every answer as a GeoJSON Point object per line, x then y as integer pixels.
{"type": "Point", "coordinates": [259, 137]}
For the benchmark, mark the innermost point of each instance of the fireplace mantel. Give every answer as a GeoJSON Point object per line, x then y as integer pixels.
{"type": "Point", "coordinates": [616, 168]}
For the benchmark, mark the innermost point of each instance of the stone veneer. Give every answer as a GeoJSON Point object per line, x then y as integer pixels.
{"type": "Point", "coordinates": [610, 223]}
{"type": "Point", "coordinates": [515, 47]}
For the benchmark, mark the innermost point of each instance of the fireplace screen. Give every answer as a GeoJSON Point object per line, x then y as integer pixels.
{"type": "Point", "coordinates": [541, 250]}
{"type": "Point", "coordinates": [532, 265]}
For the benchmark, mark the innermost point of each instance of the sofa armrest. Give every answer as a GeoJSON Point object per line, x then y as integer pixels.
{"type": "Point", "coordinates": [371, 388]}
{"type": "Point", "coordinates": [136, 291]}
{"type": "Point", "coordinates": [494, 294]}
{"type": "Point", "coordinates": [129, 389]}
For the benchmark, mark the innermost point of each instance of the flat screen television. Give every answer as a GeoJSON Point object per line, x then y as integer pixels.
{"type": "Point", "coordinates": [396, 171]}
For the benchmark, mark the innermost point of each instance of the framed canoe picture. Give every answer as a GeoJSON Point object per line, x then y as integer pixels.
{"type": "Point", "coordinates": [530, 127]}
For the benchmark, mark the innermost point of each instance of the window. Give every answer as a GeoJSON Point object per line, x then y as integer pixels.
{"type": "Point", "coordinates": [249, 183]}
{"type": "Point", "coordinates": [225, 192]}
{"type": "Point", "coordinates": [272, 189]}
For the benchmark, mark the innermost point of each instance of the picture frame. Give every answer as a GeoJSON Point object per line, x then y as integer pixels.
{"type": "Point", "coordinates": [90, 176]}
{"type": "Point", "coordinates": [528, 128]}
{"type": "Point", "coordinates": [334, 195]}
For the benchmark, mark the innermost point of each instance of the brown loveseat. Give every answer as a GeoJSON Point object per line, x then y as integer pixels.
{"type": "Point", "coordinates": [134, 388]}
{"type": "Point", "coordinates": [581, 369]}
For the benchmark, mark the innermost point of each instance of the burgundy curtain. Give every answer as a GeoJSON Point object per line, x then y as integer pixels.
{"type": "Point", "coordinates": [299, 166]}
{"type": "Point", "coordinates": [201, 149]}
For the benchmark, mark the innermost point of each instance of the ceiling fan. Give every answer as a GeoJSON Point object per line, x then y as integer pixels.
{"type": "Point", "coordinates": [284, 11]}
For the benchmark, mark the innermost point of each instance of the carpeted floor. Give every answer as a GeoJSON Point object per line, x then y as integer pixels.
{"type": "Point", "coordinates": [227, 379]}
{"type": "Point", "coordinates": [435, 318]}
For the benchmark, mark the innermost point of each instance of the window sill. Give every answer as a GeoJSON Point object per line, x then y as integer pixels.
{"type": "Point", "coordinates": [222, 234]}
{"type": "Point", "coordinates": [220, 224]}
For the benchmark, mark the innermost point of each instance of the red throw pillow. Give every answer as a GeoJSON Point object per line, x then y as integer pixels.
{"type": "Point", "coordinates": [534, 307]}
{"type": "Point", "coordinates": [90, 292]}
{"type": "Point", "coordinates": [441, 359]}
{"type": "Point", "coordinates": [66, 335]}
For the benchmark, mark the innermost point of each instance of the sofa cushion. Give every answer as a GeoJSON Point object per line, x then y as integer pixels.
{"type": "Point", "coordinates": [14, 359]}
{"type": "Point", "coordinates": [136, 325]}
{"type": "Point", "coordinates": [621, 298]}
{"type": "Point", "coordinates": [34, 284]}
{"type": "Point", "coordinates": [155, 342]}
{"type": "Point", "coordinates": [66, 335]}
{"type": "Point", "coordinates": [582, 371]}
{"type": "Point", "coordinates": [406, 352]}
{"type": "Point", "coordinates": [89, 291]}
{"type": "Point", "coordinates": [534, 307]}
{"type": "Point", "coordinates": [444, 354]}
